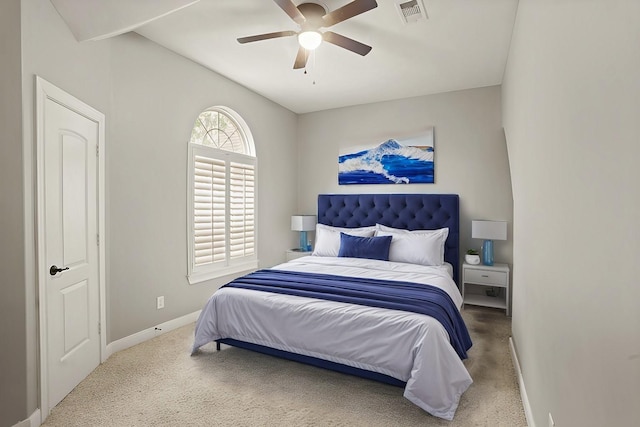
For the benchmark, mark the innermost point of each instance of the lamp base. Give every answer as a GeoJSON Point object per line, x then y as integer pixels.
{"type": "Point", "coordinates": [487, 252]}
{"type": "Point", "coordinates": [304, 246]}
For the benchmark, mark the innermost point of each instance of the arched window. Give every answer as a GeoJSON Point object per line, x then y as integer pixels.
{"type": "Point", "coordinates": [222, 196]}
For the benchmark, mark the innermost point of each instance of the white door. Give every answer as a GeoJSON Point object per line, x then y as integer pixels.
{"type": "Point", "coordinates": [69, 246]}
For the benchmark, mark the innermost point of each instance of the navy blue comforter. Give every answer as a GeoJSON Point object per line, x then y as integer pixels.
{"type": "Point", "coordinates": [406, 296]}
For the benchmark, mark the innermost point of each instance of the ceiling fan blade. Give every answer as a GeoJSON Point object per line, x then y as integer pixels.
{"type": "Point", "coordinates": [291, 9]}
{"type": "Point", "coordinates": [346, 42]}
{"type": "Point", "coordinates": [267, 36]}
{"type": "Point", "coordinates": [347, 11]}
{"type": "Point", "coordinates": [301, 59]}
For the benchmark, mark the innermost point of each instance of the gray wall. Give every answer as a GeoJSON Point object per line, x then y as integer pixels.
{"type": "Point", "coordinates": [13, 381]}
{"type": "Point", "coordinates": [571, 101]}
{"type": "Point", "coordinates": [470, 153]}
{"type": "Point", "coordinates": [151, 98]}
{"type": "Point", "coordinates": [50, 51]}
{"type": "Point", "coordinates": [157, 95]}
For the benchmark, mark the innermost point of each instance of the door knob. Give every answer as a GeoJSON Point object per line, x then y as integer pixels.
{"type": "Point", "coordinates": [55, 270]}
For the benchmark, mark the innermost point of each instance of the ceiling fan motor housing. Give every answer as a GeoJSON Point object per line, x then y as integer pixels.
{"type": "Point", "coordinates": [313, 14]}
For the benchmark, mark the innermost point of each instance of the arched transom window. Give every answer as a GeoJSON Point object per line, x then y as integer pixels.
{"type": "Point", "coordinates": [214, 128]}
{"type": "Point", "coordinates": [222, 190]}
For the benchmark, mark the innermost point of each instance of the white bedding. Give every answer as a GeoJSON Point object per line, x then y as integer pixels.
{"type": "Point", "coordinates": [411, 347]}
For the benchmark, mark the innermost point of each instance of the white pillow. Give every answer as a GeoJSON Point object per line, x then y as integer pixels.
{"type": "Point", "coordinates": [328, 238]}
{"type": "Point", "coordinates": [424, 247]}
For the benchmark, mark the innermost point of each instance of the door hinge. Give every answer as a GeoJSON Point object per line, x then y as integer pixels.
{"type": "Point", "coordinates": [98, 239]}
{"type": "Point", "coordinates": [99, 329]}
{"type": "Point", "coordinates": [97, 150]}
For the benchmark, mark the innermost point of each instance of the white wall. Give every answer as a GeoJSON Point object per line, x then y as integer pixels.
{"type": "Point", "coordinates": [470, 153]}
{"type": "Point", "coordinates": [571, 102]}
{"type": "Point", "coordinates": [157, 95]}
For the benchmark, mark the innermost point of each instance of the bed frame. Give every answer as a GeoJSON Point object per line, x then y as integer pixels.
{"type": "Point", "coordinates": [406, 211]}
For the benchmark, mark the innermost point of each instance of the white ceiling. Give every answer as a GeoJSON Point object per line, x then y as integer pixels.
{"type": "Point", "coordinates": [463, 44]}
{"type": "Point", "coordinates": [100, 19]}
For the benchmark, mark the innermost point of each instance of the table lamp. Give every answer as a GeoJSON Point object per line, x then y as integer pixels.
{"type": "Point", "coordinates": [489, 231]}
{"type": "Point", "coordinates": [303, 223]}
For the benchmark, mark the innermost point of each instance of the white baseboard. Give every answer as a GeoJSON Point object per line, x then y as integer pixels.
{"type": "Point", "coordinates": [523, 391]}
{"type": "Point", "coordinates": [149, 333]}
{"type": "Point", "coordinates": [33, 421]}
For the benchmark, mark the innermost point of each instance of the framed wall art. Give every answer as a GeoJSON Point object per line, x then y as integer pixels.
{"type": "Point", "coordinates": [402, 160]}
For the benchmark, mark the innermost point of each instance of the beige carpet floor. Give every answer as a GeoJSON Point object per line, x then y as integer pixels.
{"type": "Point", "coordinates": [157, 383]}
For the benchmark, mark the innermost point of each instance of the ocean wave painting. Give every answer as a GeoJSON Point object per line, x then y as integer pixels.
{"type": "Point", "coordinates": [408, 161]}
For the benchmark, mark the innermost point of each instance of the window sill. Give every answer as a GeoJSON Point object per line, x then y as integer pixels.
{"type": "Point", "coordinates": [202, 276]}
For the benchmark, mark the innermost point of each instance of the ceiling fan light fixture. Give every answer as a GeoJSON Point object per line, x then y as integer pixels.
{"type": "Point", "coordinates": [310, 40]}
{"type": "Point", "coordinates": [311, 17]}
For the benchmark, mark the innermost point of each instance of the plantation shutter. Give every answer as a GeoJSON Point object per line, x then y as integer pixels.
{"type": "Point", "coordinates": [222, 209]}
{"type": "Point", "coordinates": [209, 210]}
{"type": "Point", "coordinates": [241, 210]}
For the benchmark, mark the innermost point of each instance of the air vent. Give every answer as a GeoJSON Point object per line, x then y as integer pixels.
{"type": "Point", "coordinates": [411, 11]}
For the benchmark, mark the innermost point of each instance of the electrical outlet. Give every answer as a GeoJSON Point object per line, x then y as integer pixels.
{"type": "Point", "coordinates": [160, 302]}
{"type": "Point", "coordinates": [551, 423]}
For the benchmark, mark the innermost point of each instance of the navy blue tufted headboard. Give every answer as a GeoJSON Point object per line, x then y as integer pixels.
{"type": "Point", "coordinates": [407, 211]}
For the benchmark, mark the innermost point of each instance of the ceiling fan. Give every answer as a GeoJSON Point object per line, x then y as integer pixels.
{"type": "Point", "coordinates": [311, 17]}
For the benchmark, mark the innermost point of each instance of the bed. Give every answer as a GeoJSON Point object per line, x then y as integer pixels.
{"type": "Point", "coordinates": [350, 312]}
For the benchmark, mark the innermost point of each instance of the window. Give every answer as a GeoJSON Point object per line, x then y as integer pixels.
{"type": "Point", "coordinates": [222, 196]}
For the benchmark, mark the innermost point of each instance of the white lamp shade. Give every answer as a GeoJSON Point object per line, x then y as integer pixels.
{"type": "Point", "coordinates": [489, 230]}
{"type": "Point", "coordinates": [303, 222]}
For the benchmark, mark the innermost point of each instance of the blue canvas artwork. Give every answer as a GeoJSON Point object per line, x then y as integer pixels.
{"type": "Point", "coordinates": [395, 161]}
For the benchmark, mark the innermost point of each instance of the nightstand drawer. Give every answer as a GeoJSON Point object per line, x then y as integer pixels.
{"type": "Point", "coordinates": [495, 278]}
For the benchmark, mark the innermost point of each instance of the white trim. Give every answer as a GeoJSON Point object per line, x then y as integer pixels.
{"type": "Point", "coordinates": [102, 237]}
{"type": "Point", "coordinates": [201, 276]}
{"type": "Point", "coordinates": [523, 391]}
{"type": "Point", "coordinates": [35, 419]}
{"type": "Point", "coordinates": [44, 91]}
{"type": "Point", "coordinates": [32, 421]}
{"type": "Point", "coordinates": [147, 334]}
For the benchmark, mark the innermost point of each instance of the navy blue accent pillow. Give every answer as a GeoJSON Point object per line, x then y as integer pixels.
{"type": "Point", "coordinates": [364, 247]}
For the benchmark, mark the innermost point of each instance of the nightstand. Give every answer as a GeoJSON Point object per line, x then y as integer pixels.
{"type": "Point", "coordinates": [296, 253]}
{"type": "Point", "coordinates": [480, 280]}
